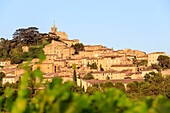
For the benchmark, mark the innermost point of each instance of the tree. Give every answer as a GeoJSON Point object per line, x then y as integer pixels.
{"type": "Point", "coordinates": [78, 47]}
{"type": "Point", "coordinates": [164, 61]}
{"type": "Point", "coordinates": [16, 60]}
{"type": "Point", "coordinates": [74, 66]}
{"type": "Point", "coordinates": [155, 84]}
{"type": "Point", "coordinates": [27, 36]}
{"type": "Point", "coordinates": [74, 76]}
{"type": "Point", "coordinates": [92, 90]}
{"type": "Point", "coordinates": [157, 67]}
{"type": "Point", "coordinates": [120, 86]}
{"type": "Point", "coordinates": [107, 84]}
{"type": "Point", "coordinates": [132, 87]}
{"type": "Point", "coordinates": [35, 51]}
{"type": "Point", "coordinates": [88, 76]}
{"type": "Point", "coordinates": [93, 66]}
{"type": "Point", "coordinates": [143, 63]}
{"type": "Point", "coordinates": [101, 68]}
{"type": "Point", "coordinates": [2, 75]}
{"type": "Point", "coordinates": [77, 89]}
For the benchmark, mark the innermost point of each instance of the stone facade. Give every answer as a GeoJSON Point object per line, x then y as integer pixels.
{"type": "Point", "coordinates": [58, 50]}
{"type": "Point", "coordinates": [152, 57]}
{"type": "Point", "coordinates": [60, 58]}
{"type": "Point", "coordinates": [9, 79]}
{"type": "Point", "coordinates": [5, 63]}
{"type": "Point", "coordinates": [55, 31]}
{"type": "Point", "coordinates": [25, 48]}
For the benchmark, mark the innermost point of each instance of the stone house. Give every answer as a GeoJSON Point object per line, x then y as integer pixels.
{"type": "Point", "coordinates": [152, 57]}
{"type": "Point", "coordinates": [5, 63]}
{"type": "Point", "coordinates": [124, 67]}
{"type": "Point", "coordinates": [109, 74]}
{"type": "Point", "coordinates": [10, 79]}
{"type": "Point", "coordinates": [57, 50]}
{"type": "Point", "coordinates": [25, 48]}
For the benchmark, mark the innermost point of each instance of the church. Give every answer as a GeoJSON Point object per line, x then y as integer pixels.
{"type": "Point", "coordinates": [54, 31]}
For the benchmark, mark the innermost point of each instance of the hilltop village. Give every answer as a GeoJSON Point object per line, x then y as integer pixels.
{"type": "Point", "coordinates": [103, 63]}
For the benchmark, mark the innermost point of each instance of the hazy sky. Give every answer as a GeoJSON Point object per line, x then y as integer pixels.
{"type": "Point", "coordinates": [117, 24]}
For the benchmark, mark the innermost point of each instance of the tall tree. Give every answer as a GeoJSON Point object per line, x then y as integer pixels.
{"type": "Point", "coordinates": [164, 61]}
{"type": "Point", "coordinates": [74, 66]}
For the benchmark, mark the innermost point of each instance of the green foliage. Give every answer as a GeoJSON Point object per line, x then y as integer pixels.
{"type": "Point", "coordinates": [120, 86]}
{"type": "Point", "coordinates": [78, 47]}
{"type": "Point", "coordinates": [2, 74]}
{"type": "Point", "coordinates": [88, 76]}
{"type": "Point", "coordinates": [107, 84]}
{"type": "Point", "coordinates": [92, 90]}
{"type": "Point", "coordinates": [77, 89]}
{"type": "Point", "coordinates": [35, 51]}
{"type": "Point", "coordinates": [93, 65]}
{"type": "Point", "coordinates": [143, 63]}
{"type": "Point", "coordinates": [64, 100]}
{"type": "Point", "coordinates": [164, 61]}
{"type": "Point", "coordinates": [12, 49]}
{"type": "Point", "coordinates": [28, 97]}
{"type": "Point", "coordinates": [157, 67]}
{"type": "Point", "coordinates": [16, 60]}
{"type": "Point", "coordinates": [138, 63]}
{"type": "Point", "coordinates": [74, 76]}
{"type": "Point", "coordinates": [132, 87]}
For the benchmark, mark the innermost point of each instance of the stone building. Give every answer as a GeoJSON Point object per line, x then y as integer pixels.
{"type": "Point", "coordinates": [110, 74]}
{"type": "Point", "coordinates": [93, 47]}
{"type": "Point", "coordinates": [152, 57]}
{"type": "Point", "coordinates": [70, 42]}
{"type": "Point", "coordinates": [144, 57]}
{"type": "Point", "coordinates": [10, 79]}
{"type": "Point", "coordinates": [60, 34]}
{"type": "Point", "coordinates": [5, 63]}
{"type": "Point", "coordinates": [46, 66]}
{"type": "Point", "coordinates": [25, 48]}
{"type": "Point", "coordinates": [57, 50]}
{"type": "Point", "coordinates": [124, 67]}
{"type": "Point", "coordinates": [134, 52]}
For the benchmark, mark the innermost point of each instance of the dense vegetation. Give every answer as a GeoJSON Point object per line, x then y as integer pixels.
{"type": "Point", "coordinates": [163, 63]}
{"type": "Point", "coordinates": [78, 47]}
{"type": "Point", "coordinates": [62, 98]}
{"type": "Point", "coordinates": [27, 96]}
{"type": "Point", "coordinates": [12, 49]}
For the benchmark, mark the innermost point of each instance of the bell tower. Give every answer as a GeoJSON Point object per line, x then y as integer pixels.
{"type": "Point", "coordinates": [60, 34]}
{"type": "Point", "coordinates": [54, 28]}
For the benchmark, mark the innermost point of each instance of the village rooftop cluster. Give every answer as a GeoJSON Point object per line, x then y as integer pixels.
{"type": "Point", "coordinates": [102, 62]}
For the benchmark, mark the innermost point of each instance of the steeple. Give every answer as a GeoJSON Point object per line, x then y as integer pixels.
{"type": "Point", "coordinates": [54, 28]}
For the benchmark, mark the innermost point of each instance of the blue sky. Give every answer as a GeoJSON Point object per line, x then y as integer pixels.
{"type": "Point", "coordinates": [117, 24]}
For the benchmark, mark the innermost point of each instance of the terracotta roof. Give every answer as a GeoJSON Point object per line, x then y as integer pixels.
{"type": "Point", "coordinates": [124, 81]}
{"type": "Point", "coordinates": [142, 56]}
{"type": "Point", "coordinates": [86, 51]}
{"type": "Point", "coordinates": [68, 40]}
{"type": "Point", "coordinates": [123, 65]}
{"type": "Point", "coordinates": [158, 53]}
{"type": "Point", "coordinates": [112, 71]}
{"type": "Point", "coordinates": [9, 76]}
{"type": "Point", "coordinates": [60, 60]}
{"type": "Point", "coordinates": [50, 74]}
{"type": "Point", "coordinates": [50, 77]}
{"type": "Point", "coordinates": [51, 54]}
{"type": "Point", "coordinates": [93, 46]}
